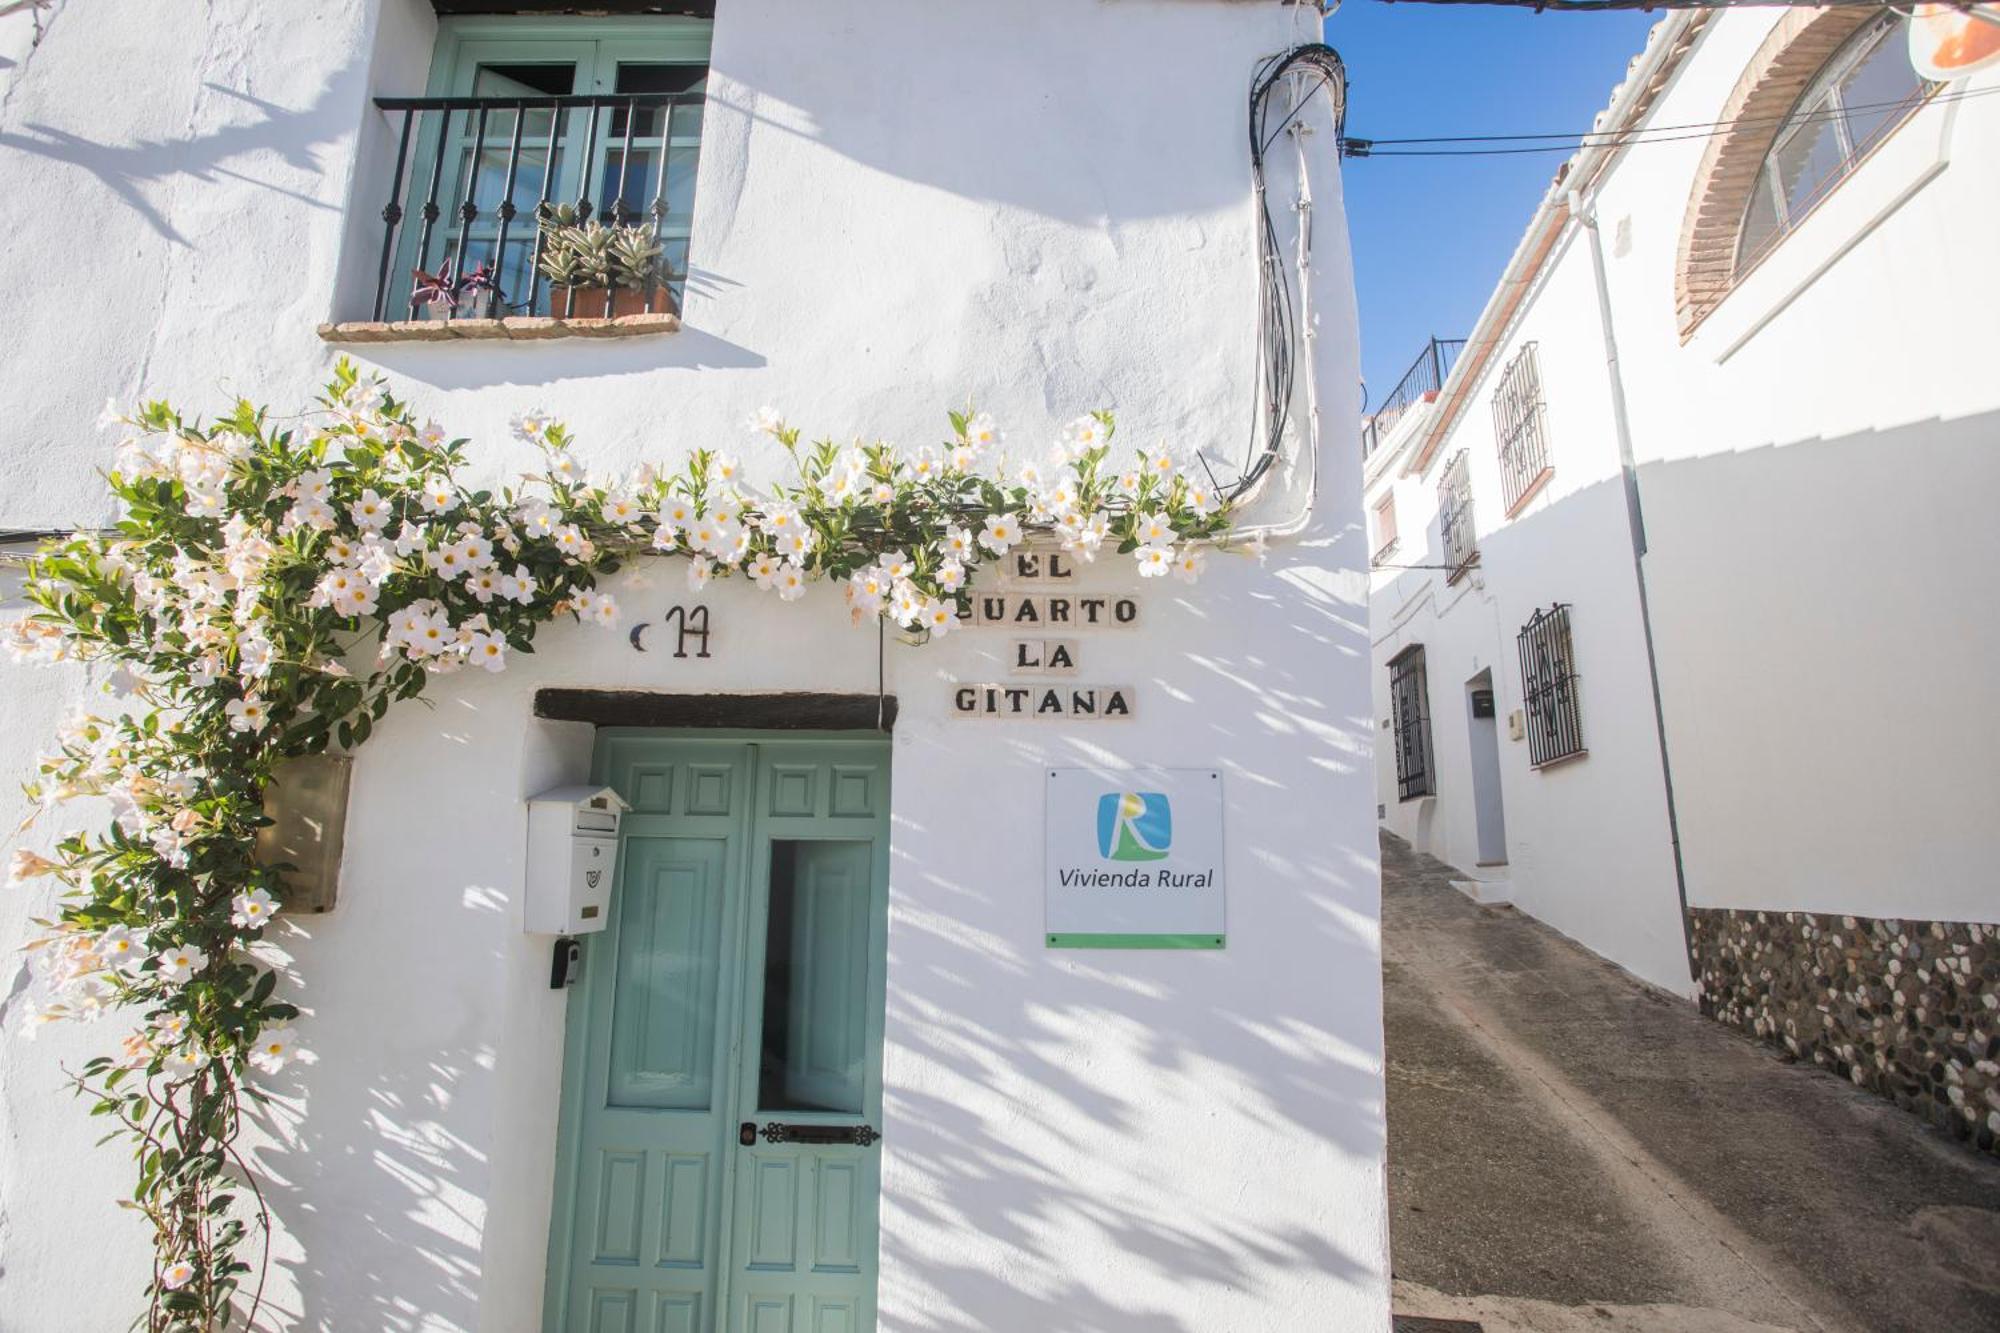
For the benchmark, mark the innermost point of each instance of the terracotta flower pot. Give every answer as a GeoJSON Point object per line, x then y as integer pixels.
{"type": "Point", "coordinates": [590, 302]}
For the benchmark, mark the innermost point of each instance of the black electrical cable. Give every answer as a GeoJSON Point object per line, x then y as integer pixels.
{"type": "Point", "coordinates": [1354, 149]}
{"type": "Point", "coordinates": [1616, 138]}
{"type": "Point", "coordinates": [1277, 319]}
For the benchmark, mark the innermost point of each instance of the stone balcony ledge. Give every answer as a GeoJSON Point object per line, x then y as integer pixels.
{"type": "Point", "coordinates": [522, 328]}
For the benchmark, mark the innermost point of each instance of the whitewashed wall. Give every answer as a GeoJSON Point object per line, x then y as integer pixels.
{"type": "Point", "coordinates": [1817, 462]}
{"type": "Point", "coordinates": [1814, 464]}
{"type": "Point", "coordinates": [1587, 843]}
{"type": "Point", "coordinates": [899, 204]}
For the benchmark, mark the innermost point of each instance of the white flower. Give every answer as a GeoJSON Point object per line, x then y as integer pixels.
{"type": "Point", "coordinates": [1153, 529]}
{"type": "Point", "coordinates": [254, 651]}
{"type": "Point", "coordinates": [791, 582]}
{"type": "Point", "coordinates": [983, 434]}
{"type": "Point", "coordinates": [119, 949]}
{"type": "Point", "coordinates": [866, 588]}
{"type": "Point", "coordinates": [312, 485]}
{"type": "Point", "coordinates": [483, 584]}
{"type": "Point", "coordinates": [896, 565]}
{"type": "Point", "coordinates": [246, 714]}
{"type": "Point", "coordinates": [179, 964]}
{"type": "Point", "coordinates": [275, 1048]}
{"type": "Point", "coordinates": [1200, 498]}
{"type": "Point", "coordinates": [606, 612]}
{"type": "Point", "coordinates": [487, 650]}
{"type": "Point", "coordinates": [666, 537]}
{"type": "Point", "coordinates": [951, 576]}
{"type": "Point", "coordinates": [176, 1275]}
{"type": "Point", "coordinates": [1002, 531]}
{"type": "Point", "coordinates": [530, 427]}
{"type": "Point", "coordinates": [536, 517]}
{"type": "Point", "coordinates": [1161, 465]}
{"type": "Point", "coordinates": [474, 551]}
{"type": "Point", "coordinates": [1189, 566]}
{"type": "Point", "coordinates": [1154, 560]}
{"type": "Point", "coordinates": [780, 519]}
{"type": "Point", "coordinates": [169, 1028]}
{"type": "Point", "coordinates": [252, 909]}
{"type": "Point", "coordinates": [431, 436]}
{"type": "Point", "coordinates": [766, 420]}
{"type": "Point", "coordinates": [796, 545]}
{"type": "Point", "coordinates": [883, 494]}
{"type": "Point", "coordinates": [698, 573]}
{"type": "Point", "coordinates": [621, 510]}
{"type": "Point", "coordinates": [562, 463]}
{"type": "Point", "coordinates": [924, 465]}
{"type": "Point", "coordinates": [726, 469]}
{"type": "Point", "coordinates": [958, 544]}
{"type": "Point", "coordinates": [181, 1062]}
{"type": "Point", "coordinates": [584, 602]}
{"type": "Point", "coordinates": [370, 512]}
{"type": "Point", "coordinates": [939, 617]}
{"type": "Point", "coordinates": [518, 586]}
{"type": "Point", "coordinates": [677, 513]}
{"type": "Point", "coordinates": [763, 571]}
{"type": "Point", "coordinates": [571, 542]}
{"type": "Point", "coordinates": [1080, 434]}
{"type": "Point", "coordinates": [906, 604]}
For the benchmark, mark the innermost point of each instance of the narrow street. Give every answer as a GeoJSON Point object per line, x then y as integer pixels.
{"type": "Point", "coordinates": [1571, 1149]}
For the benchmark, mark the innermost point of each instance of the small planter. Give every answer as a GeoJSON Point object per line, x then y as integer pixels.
{"type": "Point", "coordinates": [589, 303]}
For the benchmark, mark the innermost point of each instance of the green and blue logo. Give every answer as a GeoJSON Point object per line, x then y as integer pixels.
{"type": "Point", "coordinates": [1134, 826]}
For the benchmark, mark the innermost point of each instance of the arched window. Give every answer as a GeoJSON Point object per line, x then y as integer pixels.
{"type": "Point", "coordinates": [1862, 93]}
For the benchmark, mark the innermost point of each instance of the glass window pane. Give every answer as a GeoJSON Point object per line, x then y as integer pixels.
{"type": "Point", "coordinates": [550, 79]}
{"type": "Point", "coordinates": [1879, 91]}
{"type": "Point", "coordinates": [682, 80]}
{"type": "Point", "coordinates": [815, 1037]}
{"type": "Point", "coordinates": [1760, 223]}
{"type": "Point", "coordinates": [1807, 159]}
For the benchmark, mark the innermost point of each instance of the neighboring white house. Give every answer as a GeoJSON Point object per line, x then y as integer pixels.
{"type": "Point", "coordinates": [875, 209]}
{"type": "Point", "coordinates": [1718, 452]}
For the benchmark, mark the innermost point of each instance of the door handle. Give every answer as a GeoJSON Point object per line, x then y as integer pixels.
{"type": "Point", "coordinates": [778, 1131]}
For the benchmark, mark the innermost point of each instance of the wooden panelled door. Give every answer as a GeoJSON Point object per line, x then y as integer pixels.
{"type": "Point", "coordinates": [717, 1169]}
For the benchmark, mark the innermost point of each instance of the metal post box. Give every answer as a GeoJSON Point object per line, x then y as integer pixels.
{"type": "Point", "coordinates": [572, 859]}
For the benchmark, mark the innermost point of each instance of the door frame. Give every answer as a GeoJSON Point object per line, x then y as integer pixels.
{"type": "Point", "coordinates": [732, 981]}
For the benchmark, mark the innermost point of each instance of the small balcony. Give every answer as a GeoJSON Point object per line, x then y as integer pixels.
{"type": "Point", "coordinates": [481, 187]}
{"type": "Point", "coordinates": [1420, 384]}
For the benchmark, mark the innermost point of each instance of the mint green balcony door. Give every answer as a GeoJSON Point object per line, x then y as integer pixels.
{"type": "Point", "coordinates": [717, 1170]}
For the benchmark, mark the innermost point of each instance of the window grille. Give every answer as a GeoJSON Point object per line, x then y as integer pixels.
{"type": "Point", "coordinates": [1549, 687]}
{"type": "Point", "coordinates": [1862, 94]}
{"type": "Point", "coordinates": [1411, 703]}
{"type": "Point", "coordinates": [1385, 526]}
{"type": "Point", "coordinates": [1455, 518]}
{"type": "Point", "coordinates": [1519, 426]}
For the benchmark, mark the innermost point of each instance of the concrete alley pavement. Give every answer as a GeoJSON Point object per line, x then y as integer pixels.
{"type": "Point", "coordinates": [1572, 1149]}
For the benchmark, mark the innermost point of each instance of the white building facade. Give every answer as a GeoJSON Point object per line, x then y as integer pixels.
{"type": "Point", "coordinates": [872, 211]}
{"type": "Point", "coordinates": [1677, 611]}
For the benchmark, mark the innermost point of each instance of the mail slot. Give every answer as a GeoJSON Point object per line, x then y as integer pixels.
{"type": "Point", "coordinates": [572, 860]}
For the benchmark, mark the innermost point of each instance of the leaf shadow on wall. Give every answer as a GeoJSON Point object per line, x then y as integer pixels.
{"type": "Point", "coordinates": [137, 172]}
{"type": "Point", "coordinates": [1111, 1142]}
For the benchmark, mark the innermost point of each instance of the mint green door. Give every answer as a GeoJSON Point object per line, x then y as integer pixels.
{"type": "Point", "coordinates": [722, 1091]}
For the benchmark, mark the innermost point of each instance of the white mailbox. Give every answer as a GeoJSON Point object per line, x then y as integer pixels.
{"type": "Point", "coordinates": [572, 854]}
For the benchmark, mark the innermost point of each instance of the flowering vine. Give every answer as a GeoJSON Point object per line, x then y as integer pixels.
{"type": "Point", "coordinates": [272, 589]}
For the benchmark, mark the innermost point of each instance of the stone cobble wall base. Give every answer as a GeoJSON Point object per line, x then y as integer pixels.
{"type": "Point", "coordinates": [1906, 1009]}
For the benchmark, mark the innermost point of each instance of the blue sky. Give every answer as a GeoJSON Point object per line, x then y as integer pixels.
{"type": "Point", "coordinates": [1431, 234]}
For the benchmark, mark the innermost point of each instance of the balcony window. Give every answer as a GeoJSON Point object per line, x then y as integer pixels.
{"type": "Point", "coordinates": [1549, 687]}
{"type": "Point", "coordinates": [1410, 701]}
{"type": "Point", "coordinates": [525, 117]}
{"type": "Point", "coordinates": [1455, 531]}
{"type": "Point", "coordinates": [1520, 428]}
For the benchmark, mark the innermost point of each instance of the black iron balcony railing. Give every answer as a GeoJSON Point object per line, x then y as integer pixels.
{"type": "Point", "coordinates": [1425, 376]}
{"type": "Point", "coordinates": [477, 178]}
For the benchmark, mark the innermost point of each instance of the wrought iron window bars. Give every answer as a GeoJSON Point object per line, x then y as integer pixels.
{"type": "Point", "coordinates": [1409, 698]}
{"type": "Point", "coordinates": [507, 156]}
{"type": "Point", "coordinates": [1518, 426]}
{"type": "Point", "coordinates": [1549, 687]}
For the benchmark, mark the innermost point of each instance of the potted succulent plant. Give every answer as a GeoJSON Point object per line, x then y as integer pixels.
{"type": "Point", "coordinates": [587, 261]}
